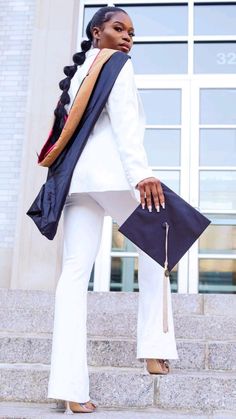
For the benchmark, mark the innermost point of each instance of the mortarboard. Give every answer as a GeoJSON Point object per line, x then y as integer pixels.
{"type": "Point", "coordinates": [166, 235]}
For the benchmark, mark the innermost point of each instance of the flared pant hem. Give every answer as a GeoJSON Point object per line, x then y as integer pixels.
{"type": "Point", "coordinates": [155, 355]}
{"type": "Point", "coordinates": [153, 352]}
{"type": "Point", "coordinates": [66, 396]}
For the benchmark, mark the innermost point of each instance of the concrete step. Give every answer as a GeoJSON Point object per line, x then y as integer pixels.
{"type": "Point", "coordinates": [127, 387]}
{"type": "Point", "coordinates": [123, 325]}
{"type": "Point", "coordinates": [193, 355]}
{"type": "Point", "coordinates": [198, 317]}
{"type": "Point", "coordinates": [209, 304]}
{"type": "Point", "coordinates": [50, 411]}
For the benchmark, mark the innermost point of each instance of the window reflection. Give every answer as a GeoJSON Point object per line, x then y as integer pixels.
{"type": "Point", "coordinates": [218, 190]}
{"type": "Point", "coordinates": [88, 14]}
{"type": "Point", "coordinates": [124, 274]}
{"type": "Point", "coordinates": [215, 19]}
{"type": "Point", "coordinates": [160, 58]}
{"type": "Point", "coordinates": [120, 242]}
{"type": "Point", "coordinates": [157, 20]}
{"type": "Point", "coordinates": [217, 276]}
{"type": "Point", "coordinates": [174, 279]}
{"type": "Point", "coordinates": [170, 178]}
{"type": "Point", "coordinates": [217, 106]}
{"type": "Point", "coordinates": [218, 147]}
{"type": "Point", "coordinates": [162, 147]}
{"type": "Point", "coordinates": [215, 57]}
{"type": "Point", "coordinates": [162, 106]}
{"type": "Point", "coordinates": [152, 20]}
{"type": "Point", "coordinates": [218, 239]}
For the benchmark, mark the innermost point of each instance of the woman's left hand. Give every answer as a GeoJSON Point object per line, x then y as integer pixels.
{"type": "Point", "coordinates": [151, 188]}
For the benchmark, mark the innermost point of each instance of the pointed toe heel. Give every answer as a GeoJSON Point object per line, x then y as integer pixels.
{"type": "Point", "coordinates": [158, 366]}
{"type": "Point", "coordinates": [74, 407]}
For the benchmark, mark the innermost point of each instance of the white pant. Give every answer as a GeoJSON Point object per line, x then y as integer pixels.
{"type": "Point", "coordinates": [83, 221]}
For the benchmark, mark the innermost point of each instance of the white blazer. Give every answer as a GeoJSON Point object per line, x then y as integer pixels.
{"type": "Point", "coordinates": [114, 158]}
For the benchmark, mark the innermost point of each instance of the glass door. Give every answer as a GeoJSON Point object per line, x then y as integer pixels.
{"type": "Point", "coordinates": [213, 187]}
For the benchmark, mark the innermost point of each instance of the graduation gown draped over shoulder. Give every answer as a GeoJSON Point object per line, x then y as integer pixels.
{"type": "Point", "coordinates": [46, 209]}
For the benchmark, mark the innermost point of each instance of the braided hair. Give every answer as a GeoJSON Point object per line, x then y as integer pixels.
{"type": "Point", "coordinates": [103, 15]}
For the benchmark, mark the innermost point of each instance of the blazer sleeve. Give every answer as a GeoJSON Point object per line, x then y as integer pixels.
{"type": "Point", "coordinates": [127, 121]}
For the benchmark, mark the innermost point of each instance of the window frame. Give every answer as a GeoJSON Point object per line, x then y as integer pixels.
{"type": "Point", "coordinates": [200, 83]}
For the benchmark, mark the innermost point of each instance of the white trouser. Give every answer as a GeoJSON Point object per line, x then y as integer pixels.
{"type": "Point", "coordinates": [83, 221]}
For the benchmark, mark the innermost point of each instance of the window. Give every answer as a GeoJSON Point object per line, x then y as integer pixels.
{"type": "Point", "coordinates": [215, 25]}
{"type": "Point", "coordinates": [217, 247]}
{"type": "Point", "coordinates": [184, 57]}
{"type": "Point", "coordinates": [215, 19]}
{"type": "Point", "coordinates": [160, 58]}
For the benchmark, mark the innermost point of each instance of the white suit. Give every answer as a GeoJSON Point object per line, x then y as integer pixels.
{"type": "Point", "coordinates": [114, 158]}
{"type": "Point", "coordinates": [103, 182]}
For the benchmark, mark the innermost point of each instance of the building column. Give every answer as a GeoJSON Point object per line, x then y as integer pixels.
{"type": "Point", "coordinates": [36, 260]}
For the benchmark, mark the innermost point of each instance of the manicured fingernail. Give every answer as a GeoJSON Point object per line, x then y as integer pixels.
{"type": "Point", "coordinates": [143, 206]}
{"type": "Point", "coordinates": [158, 209]}
{"type": "Point", "coordinates": [150, 208]}
{"type": "Point", "coordinates": [163, 205]}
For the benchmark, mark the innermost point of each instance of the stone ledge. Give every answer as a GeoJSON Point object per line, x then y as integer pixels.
{"type": "Point", "coordinates": [193, 355]}
{"type": "Point", "coordinates": [205, 327]}
{"type": "Point", "coordinates": [50, 411]}
{"type": "Point", "coordinates": [122, 387]}
{"type": "Point", "coordinates": [16, 298]}
{"type": "Point", "coordinates": [222, 355]}
{"type": "Point", "coordinates": [123, 325]}
{"type": "Point", "coordinates": [109, 386]}
{"type": "Point", "coordinates": [102, 352]}
{"type": "Point", "coordinates": [220, 304]}
{"type": "Point", "coordinates": [200, 391]}
{"type": "Point", "coordinates": [121, 352]}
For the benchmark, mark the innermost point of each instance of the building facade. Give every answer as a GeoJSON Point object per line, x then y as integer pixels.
{"type": "Point", "coordinates": [184, 57]}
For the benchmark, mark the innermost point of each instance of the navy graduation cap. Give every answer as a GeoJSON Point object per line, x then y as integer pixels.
{"type": "Point", "coordinates": [166, 235]}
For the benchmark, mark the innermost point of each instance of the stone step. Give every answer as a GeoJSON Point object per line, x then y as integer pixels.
{"type": "Point", "coordinates": [118, 302]}
{"type": "Point", "coordinates": [193, 355]}
{"type": "Point", "coordinates": [105, 323]}
{"type": "Point", "coordinates": [50, 411]}
{"type": "Point", "coordinates": [114, 314]}
{"type": "Point", "coordinates": [126, 387]}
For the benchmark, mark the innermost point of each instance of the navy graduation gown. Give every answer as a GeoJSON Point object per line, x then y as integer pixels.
{"type": "Point", "coordinates": [47, 207]}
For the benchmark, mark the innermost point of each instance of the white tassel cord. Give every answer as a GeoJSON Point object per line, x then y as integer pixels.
{"type": "Point", "coordinates": [165, 282]}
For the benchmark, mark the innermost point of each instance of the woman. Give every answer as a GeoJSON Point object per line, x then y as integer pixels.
{"type": "Point", "coordinates": [110, 173]}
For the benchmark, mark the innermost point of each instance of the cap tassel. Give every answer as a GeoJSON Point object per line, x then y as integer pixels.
{"type": "Point", "coordinates": [165, 283]}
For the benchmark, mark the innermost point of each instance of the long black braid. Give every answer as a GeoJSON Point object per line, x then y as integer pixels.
{"type": "Point", "coordinates": [101, 16]}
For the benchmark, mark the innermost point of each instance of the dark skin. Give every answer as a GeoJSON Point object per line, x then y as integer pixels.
{"type": "Point", "coordinates": [118, 34]}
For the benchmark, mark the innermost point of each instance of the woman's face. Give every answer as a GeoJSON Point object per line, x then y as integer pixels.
{"type": "Point", "coordinates": [117, 33]}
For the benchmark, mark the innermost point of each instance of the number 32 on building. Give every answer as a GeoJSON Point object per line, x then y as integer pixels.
{"type": "Point", "coordinates": [226, 58]}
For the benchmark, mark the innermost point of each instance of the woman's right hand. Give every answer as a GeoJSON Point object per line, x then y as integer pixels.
{"type": "Point", "coordinates": [151, 188]}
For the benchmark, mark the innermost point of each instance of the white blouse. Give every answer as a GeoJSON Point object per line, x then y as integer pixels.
{"type": "Point", "coordinates": [114, 157]}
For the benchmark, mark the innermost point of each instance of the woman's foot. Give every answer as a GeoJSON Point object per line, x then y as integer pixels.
{"type": "Point", "coordinates": [158, 366]}
{"type": "Point", "coordinates": [75, 407]}
{"type": "Point", "coordinates": [91, 405]}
